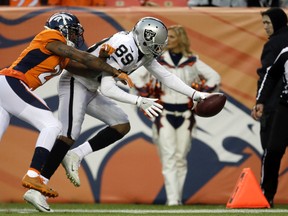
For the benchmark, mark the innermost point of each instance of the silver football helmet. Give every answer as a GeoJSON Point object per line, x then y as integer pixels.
{"type": "Point", "coordinates": [150, 35]}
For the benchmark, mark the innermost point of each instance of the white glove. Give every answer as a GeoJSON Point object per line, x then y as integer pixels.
{"type": "Point", "coordinates": [197, 97]}
{"type": "Point", "coordinates": [149, 106]}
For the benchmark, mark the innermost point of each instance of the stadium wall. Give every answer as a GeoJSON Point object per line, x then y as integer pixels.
{"type": "Point", "coordinates": [129, 171]}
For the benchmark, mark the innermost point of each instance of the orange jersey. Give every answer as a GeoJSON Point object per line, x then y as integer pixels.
{"type": "Point", "coordinates": [36, 64]}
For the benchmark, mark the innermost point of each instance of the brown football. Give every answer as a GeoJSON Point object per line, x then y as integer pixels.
{"type": "Point", "coordinates": [211, 105]}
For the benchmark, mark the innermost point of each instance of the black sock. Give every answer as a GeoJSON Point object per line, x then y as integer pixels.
{"type": "Point", "coordinates": [39, 158]}
{"type": "Point", "coordinates": [56, 156]}
{"type": "Point", "coordinates": [104, 138]}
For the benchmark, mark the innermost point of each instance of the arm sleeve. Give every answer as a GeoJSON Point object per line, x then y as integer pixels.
{"type": "Point", "coordinates": [169, 79]}
{"type": "Point", "coordinates": [272, 76]}
{"type": "Point", "coordinates": [267, 58]}
{"type": "Point", "coordinates": [110, 89]}
{"type": "Point", "coordinates": [47, 36]}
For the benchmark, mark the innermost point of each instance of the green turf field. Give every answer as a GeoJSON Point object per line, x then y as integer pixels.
{"type": "Point", "coordinates": [10, 209]}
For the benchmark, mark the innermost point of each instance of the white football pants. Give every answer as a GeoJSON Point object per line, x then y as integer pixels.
{"type": "Point", "coordinates": [75, 100]}
{"type": "Point", "coordinates": [18, 100]}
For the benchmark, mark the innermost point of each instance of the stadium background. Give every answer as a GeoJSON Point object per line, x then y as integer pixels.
{"type": "Point", "coordinates": [228, 39]}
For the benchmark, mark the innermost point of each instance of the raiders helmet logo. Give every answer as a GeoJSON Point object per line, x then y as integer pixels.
{"type": "Point", "coordinates": [149, 34]}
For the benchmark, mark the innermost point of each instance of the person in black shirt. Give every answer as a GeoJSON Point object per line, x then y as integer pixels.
{"type": "Point", "coordinates": [263, 3]}
{"type": "Point", "coordinates": [267, 105]}
{"type": "Point", "coordinates": [275, 25]}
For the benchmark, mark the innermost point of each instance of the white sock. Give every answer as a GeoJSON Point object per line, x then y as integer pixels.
{"type": "Point", "coordinates": [32, 173]}
{"type": "Point", "coordinates": [83, 150]}
{"type": "Point", "coordinates": [45, 180]}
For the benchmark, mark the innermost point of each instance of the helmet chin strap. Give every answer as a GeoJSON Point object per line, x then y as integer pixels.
{"type": "Point", "coordinates": [146, 51]}
{"type": "Point", "coordinates": [141, 49]}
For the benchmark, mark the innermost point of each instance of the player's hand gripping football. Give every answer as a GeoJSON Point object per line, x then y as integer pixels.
{"type": "Point", "coordinates": [105, 51]}
{"type": "Point", "coordinates": [197, 97]}
{"type": "Point", "coordinates": [149, 106]}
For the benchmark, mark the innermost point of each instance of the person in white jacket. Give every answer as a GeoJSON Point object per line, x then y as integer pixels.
{"type": "Point", "coordinates": [172, 129]}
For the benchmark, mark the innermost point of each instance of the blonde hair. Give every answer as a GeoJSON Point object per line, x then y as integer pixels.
{"type": "Point", "coordinates": [184, 42]}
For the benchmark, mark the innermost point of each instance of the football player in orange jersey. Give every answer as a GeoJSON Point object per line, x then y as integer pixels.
{"type": "Point", "coordinates": [79, 96]}
{"type": "Point", "coordinates": [52, 50]}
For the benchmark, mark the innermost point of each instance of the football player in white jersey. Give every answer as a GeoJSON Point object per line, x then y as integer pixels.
{"type": "Point", "coordinates": [78, 96]}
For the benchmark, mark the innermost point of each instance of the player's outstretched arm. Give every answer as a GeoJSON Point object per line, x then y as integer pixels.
{"type": "Point", "coordinates": [92, 62]}
{"type": "Point", "coordinates": [148, 105]}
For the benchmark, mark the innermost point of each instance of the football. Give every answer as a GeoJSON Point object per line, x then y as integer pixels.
{"type": "Point", "coordinates": [211, 105]}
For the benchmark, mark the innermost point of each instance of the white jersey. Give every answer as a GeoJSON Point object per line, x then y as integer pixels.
{"type": "Point", "coordinates": [128, 58]}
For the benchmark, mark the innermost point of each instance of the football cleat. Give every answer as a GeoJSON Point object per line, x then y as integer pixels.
{"type": "Point", "coordinates": [37, 183]}
{"type": "Point", "coordinates": [38, 200]}
{"type": "Point", "coordinates": [71, 164]}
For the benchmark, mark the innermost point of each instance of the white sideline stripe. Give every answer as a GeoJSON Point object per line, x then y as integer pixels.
{"type": "Point", "coordinates": [143, 211]}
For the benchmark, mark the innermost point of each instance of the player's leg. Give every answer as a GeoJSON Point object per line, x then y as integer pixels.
{"type": "Point", "coordinates": [49, 128]}
{"type": "Point", "coordinates": [110, 113]}
{"type": "Point", "coordinates": [5, 119]}
{"type": "Point", "coordinates": [26, 105]}
{"type": "Point", "coordinates": [266, 128]}
{"type": "Point", "coordinates": [4, 114]}
{"type": "Point", "coordinates": [73, 100]}
{"type": "Point", "coordinates": [274, 153]}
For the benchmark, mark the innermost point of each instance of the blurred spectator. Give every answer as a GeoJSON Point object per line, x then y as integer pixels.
{"type": "Point", "coordinates": [76, 2]}
{"type": "Point", "coordinates": [24, 3]}
{"type": "Point", "coordinates": [201, 3]}
{"type": "Point", "coordinates": [44, 2]}
{"type": "Point", "coordinates": [217, 3]}
{"type": "Point", "coordinates": [4, 2]}
{"type": "Point", "coordinates": [230, 3]}
{"type": "Point", "coordinates": [284, 3]}
{"type": "Point", "coordinates": [263, 3]}
{"type": "Point", "coordinates": [147, 3]}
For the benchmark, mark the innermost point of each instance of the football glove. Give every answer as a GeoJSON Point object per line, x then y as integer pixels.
{"type": "Point", "coordinates": [197, 97]}
{"type": "Point", "coordinates": [125, 79]}
{"type": "Point", "coordinates": [106, 50]}
{"type": "Point", "coordinates": [149, 106]}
